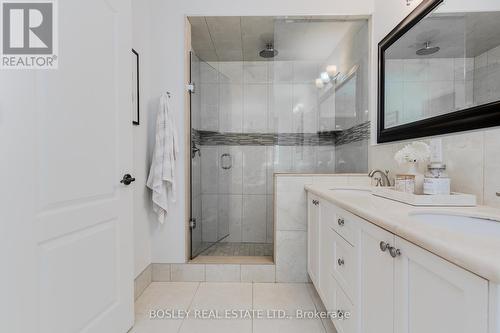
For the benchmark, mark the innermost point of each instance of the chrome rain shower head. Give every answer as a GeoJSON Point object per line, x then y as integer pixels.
{"type": "Point", "coordinates": [269, 51]}
{"type": "Point", "coordinates": [427, 49]}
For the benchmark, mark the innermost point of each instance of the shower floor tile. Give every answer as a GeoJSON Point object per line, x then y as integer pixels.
{"type": "Point", "coordinates": [239, 249]}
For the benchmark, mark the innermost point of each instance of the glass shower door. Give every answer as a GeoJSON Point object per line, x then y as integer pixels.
{"type": "Point", "coordinates": [208, 227]}
{"type": "Point", "coordinates": [195, 218]}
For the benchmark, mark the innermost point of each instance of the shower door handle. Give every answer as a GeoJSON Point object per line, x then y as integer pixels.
{"type": "Point", "coordinates": [194, 150]}
{"type": "Point", "coordinates": [226, 166]}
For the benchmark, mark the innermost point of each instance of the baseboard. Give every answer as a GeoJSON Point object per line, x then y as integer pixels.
{"type": "Point", "coordinates": [142, 281]}
{"type": "Point", "coordinates": [225, 272]}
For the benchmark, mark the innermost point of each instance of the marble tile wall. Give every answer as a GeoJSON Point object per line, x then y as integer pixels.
{"type": "Point", "coordinates": [208, 273]}
{"type": "Point", "coordinates": [267, 97]}
{"type": "Point", "coordinates": [421, 88]}
{"type": "Point", "coordinates": [472, 159]}
{"type": "Point", "coordinates": [236, 200]}
{"type": "Point", "coordinates": [291, 220]}
{"type": "Point", "coordinates": [348, 106]}
{"type": "Point", "coordinates": [487, 76]}
{"type": "Point", "coordinates": [239, 200]}
{"type": "Point", "coordinates": [260, 118]}
{"type": "Point", "coordinates": [352, 157]}
{"type": "Point", "coordinates": [290, 255]}
{"type": "Point", "coordinates": [259, 97]}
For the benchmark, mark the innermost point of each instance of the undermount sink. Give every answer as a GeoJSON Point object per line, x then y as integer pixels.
{"type": "Point", "coordinates": [473, 225]}
{"type": "Point", "coordinates": [351, 190]}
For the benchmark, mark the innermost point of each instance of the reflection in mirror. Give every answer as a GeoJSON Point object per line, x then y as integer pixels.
{"type": "Point", "coordinates": [345, 102]}
{"type": "Point", "coordinates": [445, 63]}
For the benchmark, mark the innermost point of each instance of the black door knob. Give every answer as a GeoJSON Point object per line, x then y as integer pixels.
{"type": "Point", "coordinates": [127, 179]}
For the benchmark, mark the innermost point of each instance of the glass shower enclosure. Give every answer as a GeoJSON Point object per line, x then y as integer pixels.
{"type": "Point", "coordinates": [231, 176]}
{"type": "Point", "coordinates": [209, 229]}
{"type": "Point", "coordinates": [289, 97]}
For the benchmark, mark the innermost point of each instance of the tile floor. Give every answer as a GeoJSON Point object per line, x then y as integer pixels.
{"type": "Point", "coordinates": [192, 296]}
{"type": "Point", "coordinates": [239, 249]}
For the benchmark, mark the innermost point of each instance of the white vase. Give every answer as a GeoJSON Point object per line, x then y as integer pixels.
{"type": "Point", "coordinates": [419, 177]}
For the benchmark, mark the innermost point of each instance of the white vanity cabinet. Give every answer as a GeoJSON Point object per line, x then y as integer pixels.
{"type": "Point", "coordinates": [406, 289]}
{"type": "Point", "coordinates": [387, 283]}
{"type": "Point", "coordinates": [333, 262]}
{"type": "Point", "coordinates": [377, 280]}
{"type": "Point", "coordinates": [433, 295]}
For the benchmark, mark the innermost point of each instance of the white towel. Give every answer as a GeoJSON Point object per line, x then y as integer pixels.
{"type": "Point", "coordinates": [161, 175]}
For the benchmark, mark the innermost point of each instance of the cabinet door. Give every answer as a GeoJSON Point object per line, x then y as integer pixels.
{"type": "Point", "coordinates": [347, 319]}
{"type": "Point", "coordinates": [433, 295]}
{"type": "Point", "coordinates": [326, 248]}
{"type": "Point", "coordinates": [377, 276]}
{"type": "Point", "coordinates": [312, 238]}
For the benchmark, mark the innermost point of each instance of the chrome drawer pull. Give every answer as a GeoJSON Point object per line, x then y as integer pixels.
{"type": "Point", "coordinates": [394, 252]}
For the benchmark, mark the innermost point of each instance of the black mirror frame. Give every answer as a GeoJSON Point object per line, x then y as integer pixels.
{"type": "Point", "coordinates": [481, 116]}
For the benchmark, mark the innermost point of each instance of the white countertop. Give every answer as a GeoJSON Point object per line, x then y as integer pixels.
{"type": "Point", "coordinates": [478, 253]}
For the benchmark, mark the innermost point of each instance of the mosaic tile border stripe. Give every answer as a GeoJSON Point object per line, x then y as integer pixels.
{"type": "Point", "coordinates": [196, 137]}
{"type": "Point", "coordinates": [356, 133]}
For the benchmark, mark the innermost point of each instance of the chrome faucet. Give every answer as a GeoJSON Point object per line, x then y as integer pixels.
{"type": "Point", "coordinates": [383, 180]}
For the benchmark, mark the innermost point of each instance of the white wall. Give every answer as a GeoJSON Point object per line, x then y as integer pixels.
{"type": "Point", "coordinates": [167, 73]}
{"type": "Point", "coordinates": [471, 157]}
{"type": "Point", "coordinates": [143, 218]}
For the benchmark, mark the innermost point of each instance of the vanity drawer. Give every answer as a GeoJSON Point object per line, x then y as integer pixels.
{"type": "Point", "coordinates": [345, 225]}
{"type": "Point", "coordinates": [345, 320]}
{"type": "Point", "coordinates": [345, 265]}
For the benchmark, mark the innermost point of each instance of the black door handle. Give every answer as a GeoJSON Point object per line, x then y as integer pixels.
{"type": "Point", "coordinates": [127, 179]}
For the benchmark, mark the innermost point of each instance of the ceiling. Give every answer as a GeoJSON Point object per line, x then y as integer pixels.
{"type": "Point", "coordinates": [458, 35]}
{"type": "Point", "coordinates": [234, 38]}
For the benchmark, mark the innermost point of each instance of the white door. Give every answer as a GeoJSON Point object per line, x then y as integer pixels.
{"type": "Point", "coordinates": [435, 296]}
{"type": "Point", "coordinates": [65, 143]}
{"type": "Point", "coordinates": [377, 281]}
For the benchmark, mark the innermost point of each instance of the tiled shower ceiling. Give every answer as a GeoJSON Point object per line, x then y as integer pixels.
{"type": "Point", "coordinates": [233, 38]}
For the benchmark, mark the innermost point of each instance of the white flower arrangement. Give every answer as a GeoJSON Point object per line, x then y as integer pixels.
{"type": "Point", "coordinates": [413, 153]}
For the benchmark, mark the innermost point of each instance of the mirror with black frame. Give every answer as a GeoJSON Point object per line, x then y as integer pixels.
{"type": "Point", "coordinates": [439, 73]}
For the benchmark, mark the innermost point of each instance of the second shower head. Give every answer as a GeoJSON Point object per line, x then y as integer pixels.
{"type": "Point", "coordinates": [269, 51]}
{"type": "Point", "coordinates": [427, 49]}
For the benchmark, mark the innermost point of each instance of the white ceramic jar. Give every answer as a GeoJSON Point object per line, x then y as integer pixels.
{"type": "Point", "coordinates": [436, 181]}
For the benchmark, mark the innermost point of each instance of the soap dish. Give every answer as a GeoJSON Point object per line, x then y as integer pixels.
{"type": "Point", "coordinates": [453, 199]}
